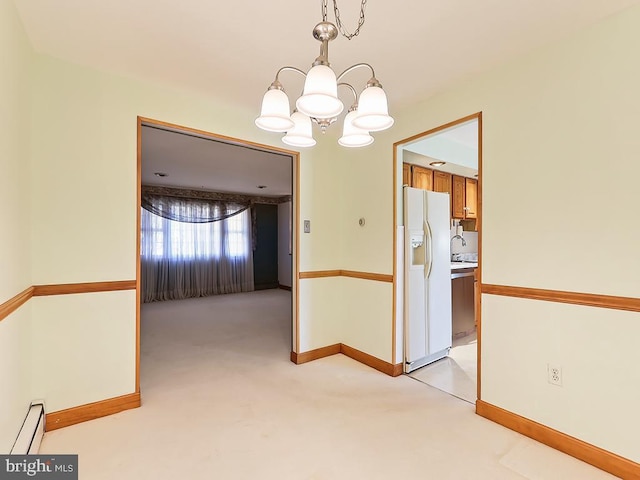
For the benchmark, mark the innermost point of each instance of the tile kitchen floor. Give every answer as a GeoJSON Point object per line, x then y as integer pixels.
{"type": "Point", "coordinates": [455, 374]}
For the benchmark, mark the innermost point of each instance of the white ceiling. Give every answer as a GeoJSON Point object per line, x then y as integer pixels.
{"type": "Point", "coordinates": [460, 161]}
{"type": "Point", "coordinates": [202, 163]}
{"type": "Point", "coordinates": [465, 134]}
{"type": "Point", "coordinates": [232, 49]}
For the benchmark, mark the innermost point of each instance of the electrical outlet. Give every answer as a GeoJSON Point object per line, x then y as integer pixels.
{"type": "Point", "coordinates": [554, 374]}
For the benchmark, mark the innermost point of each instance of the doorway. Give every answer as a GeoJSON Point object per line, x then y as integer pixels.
{"type": "Point", "coordinates": [207, 205]}
{"type": "Point", "coordinates": [440, 340]}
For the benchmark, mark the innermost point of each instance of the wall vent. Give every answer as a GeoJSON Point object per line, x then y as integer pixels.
{"type": "Point", "coordinates": [32, 431]}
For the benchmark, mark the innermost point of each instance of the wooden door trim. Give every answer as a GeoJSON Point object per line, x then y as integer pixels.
{"type": "Point", "coordinates": [478, 276]}
{"type": "Point", "coordinates": [474, 116]}
{"type": "Point", "coordinates": [142, 121]}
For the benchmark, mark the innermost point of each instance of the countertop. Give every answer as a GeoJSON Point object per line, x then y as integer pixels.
{"type": "Point", "coordinates": [461, 265]}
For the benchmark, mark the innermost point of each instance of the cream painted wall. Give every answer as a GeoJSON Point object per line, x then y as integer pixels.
{"type": "Point", "coordinates": [598, 351]}
{"type": "Point", "coordinates": [367, 307]}
{"type": "Point", "coordinates": [15, 270]}
{"type": "Point", "coordinates": [15, 374]}
{"type": "Point", "coordinates": [560, 158]}
{"type": "Point", "coordinates": [83, 347]}
{"type": "Point", "coordinates": [367, 311]}
{"type": "Point", "coordinates": [15, 68]}
{"type": "Point", "coordinates": [321, 203]}
{"type": "Point", "coordinates": [556, 112]}
{"type": "Point", "coordinates": [368, 174]}
{"type": "Point", "coordinates": [320, 305]}
{"type": "Point", "coordinates": [83, 181]}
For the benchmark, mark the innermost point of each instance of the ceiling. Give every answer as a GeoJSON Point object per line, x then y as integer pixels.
{"type": "Point", "coordinates": [465, 134]}
{"type": "Point", "coordinates": [203, 163]}
{"type": "Point", "coordinates": [457, 146]}
{"type": "Point", "coordinates": [232, 49]}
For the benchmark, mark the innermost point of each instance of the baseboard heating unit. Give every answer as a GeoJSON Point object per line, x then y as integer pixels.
{"type": "Point", "coordinates": [32, 431]}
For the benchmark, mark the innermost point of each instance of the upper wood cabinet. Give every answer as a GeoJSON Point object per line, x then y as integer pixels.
{"type": "Point", "coordinates": [406, 174]}
{"type": "Point", "coordinates": [458, 197]}
{"type": "Point", "coordinates": [464, 199]}
{"type": "Point", "coordinates": [422, 177]}
{"type": "Point", "coordinates": [441, 182]}
{"type": "Point", "coordinates": [471, 198]}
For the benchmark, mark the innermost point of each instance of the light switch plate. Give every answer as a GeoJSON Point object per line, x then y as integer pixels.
{"type": "Point", "coordinates": [307, 226]}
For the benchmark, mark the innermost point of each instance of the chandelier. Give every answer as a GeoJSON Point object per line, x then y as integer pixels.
{"type": "Point", "coordinates": [319, 102]}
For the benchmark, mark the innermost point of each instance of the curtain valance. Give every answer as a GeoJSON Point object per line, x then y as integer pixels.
{"type": "Point", "coordinates": [191, 210]}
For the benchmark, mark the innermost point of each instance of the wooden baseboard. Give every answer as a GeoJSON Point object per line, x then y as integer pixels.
{"type": "Point", "coordinates": [357, 355]}
{"type": "Point", "coordinates": [602, 459]}
{"type": "Point", "coordinates": [284, 287]}
{"type": "Point", "coordinates": [91, 411]}
{"type": "Point", "coordinates": [369, 360]}
{"type": "Point", "coordinates": [299, 358]}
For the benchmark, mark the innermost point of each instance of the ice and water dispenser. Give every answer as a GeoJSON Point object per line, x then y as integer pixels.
{"type": "Point", "coordinates": [418, 248]}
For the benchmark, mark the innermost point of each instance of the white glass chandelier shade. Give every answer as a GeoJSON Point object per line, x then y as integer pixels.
{"type": "Point", "coordinates": [353, 136]}
{"type": "Point", "coordinates": [301, 135]}
{"type": "Point", "coordinates": [320, 95]}
{"type": "Point", "coordinates": [274, 115]}
{"type": "Point", "coordinates": [373, 111]}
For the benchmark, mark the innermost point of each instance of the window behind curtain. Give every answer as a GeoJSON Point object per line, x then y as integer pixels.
{"type": "Point", "coordinates": [171, 240]}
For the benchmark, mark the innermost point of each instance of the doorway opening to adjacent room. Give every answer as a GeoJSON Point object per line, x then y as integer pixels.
{"type": "Point", "coordinates": [437, 266]}
{"type": "Point", "coordinates": [217, 254]}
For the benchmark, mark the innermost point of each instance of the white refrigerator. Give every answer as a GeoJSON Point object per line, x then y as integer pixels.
{"type": "Point", "coordinates": [427, 277]}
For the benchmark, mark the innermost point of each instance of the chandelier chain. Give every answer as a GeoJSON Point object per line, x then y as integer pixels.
{"type": "Point", "coordinates": [345, 33]}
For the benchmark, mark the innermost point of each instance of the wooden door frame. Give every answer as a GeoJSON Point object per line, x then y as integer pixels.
{"type": "Point", "coordinates": [475, 116]}
{"type": "Point", "coordinates": [295, 201]}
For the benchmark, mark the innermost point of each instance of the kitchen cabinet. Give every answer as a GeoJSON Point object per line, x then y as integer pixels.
{"type": "Point", "coordinates": [441, 182]}
{"type": "Point", "coordinates": [464, 198]}
{"type": "Point", "coordinates": [463, 302]}
{"type": "Point", "coordinates": [471, 198]}
{"type": "Point", "coordinates": [406, 174]}
{"type": "Point", "coordinates": [422, 177]}
{"type": "Point", "coordinates": [458, 197]}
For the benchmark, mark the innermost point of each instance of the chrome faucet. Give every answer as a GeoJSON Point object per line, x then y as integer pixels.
{"type": "Point", "coordinates": [464, 244]}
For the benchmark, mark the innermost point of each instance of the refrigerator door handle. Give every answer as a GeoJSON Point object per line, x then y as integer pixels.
{"type": "Point", "coordinates": [429, 241]}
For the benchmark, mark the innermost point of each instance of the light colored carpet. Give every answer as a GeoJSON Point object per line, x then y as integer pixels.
{"type": "Point", "coordinates": [221, 400]}
{"type": "Point", "coordinates": [456, 374]}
